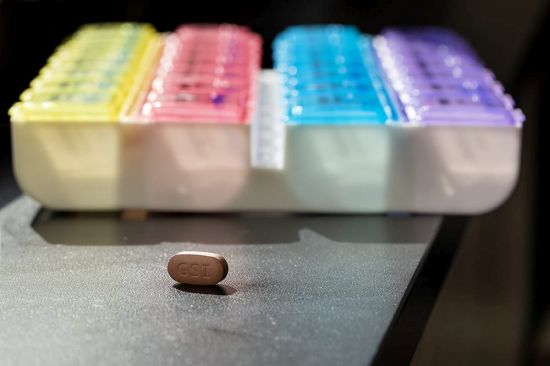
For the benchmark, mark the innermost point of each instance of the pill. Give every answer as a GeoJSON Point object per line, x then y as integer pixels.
{"type": "Point", "coordinates": [197, 268]}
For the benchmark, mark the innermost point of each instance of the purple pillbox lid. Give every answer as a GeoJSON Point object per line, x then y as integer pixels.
{"type": "Point", "coordinates": [439, 79]}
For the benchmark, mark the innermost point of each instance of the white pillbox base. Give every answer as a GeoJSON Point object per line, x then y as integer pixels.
{"type": "Point", "coordinates": [266, 165]}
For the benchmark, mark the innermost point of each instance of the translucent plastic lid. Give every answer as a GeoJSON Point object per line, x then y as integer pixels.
{"type": "Point", "coordinates": [89, 77]}
{"type": "Point", "coordinates": [330, 76]}
{"type": "Point", "coordinates": [207, 73]}
{"type": "Point", "coordinates": [440, 80]}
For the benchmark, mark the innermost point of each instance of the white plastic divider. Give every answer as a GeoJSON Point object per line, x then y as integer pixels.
{"type": "Point", "coordinates": [267, 130]}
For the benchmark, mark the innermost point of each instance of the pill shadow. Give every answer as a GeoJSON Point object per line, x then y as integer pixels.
{"type": "Point", "coordinates": [120, 228]}
{"type": "Point", "coordinates": [219, 290]}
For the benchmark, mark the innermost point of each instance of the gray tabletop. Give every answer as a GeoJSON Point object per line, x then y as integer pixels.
{"type": "Point", "coordinates": [92, 289]}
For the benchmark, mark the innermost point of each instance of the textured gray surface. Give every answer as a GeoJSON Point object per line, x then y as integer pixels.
{"type": "Point", "coordinates": [324, 298]}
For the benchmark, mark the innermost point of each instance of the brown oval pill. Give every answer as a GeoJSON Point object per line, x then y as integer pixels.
{"type": "Point", "coordinates": [197, 268]}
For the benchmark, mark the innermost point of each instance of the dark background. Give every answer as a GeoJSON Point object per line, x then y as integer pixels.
{"type": "Point", "coordinates": [491, 310]}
